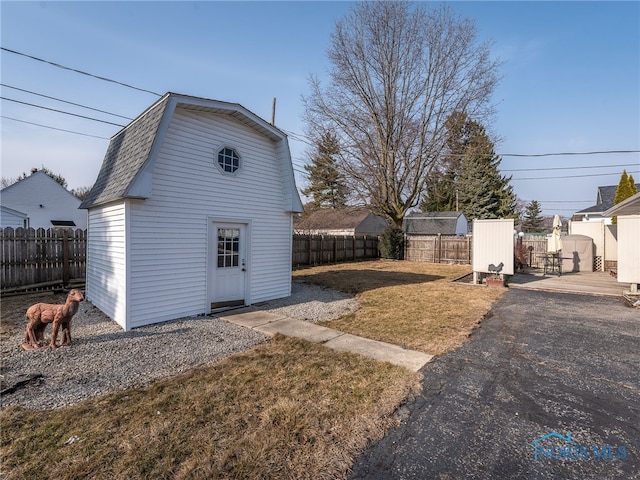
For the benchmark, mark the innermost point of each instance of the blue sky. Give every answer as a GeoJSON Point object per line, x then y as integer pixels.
{"type": "Point", "coordinates": [571, 79]}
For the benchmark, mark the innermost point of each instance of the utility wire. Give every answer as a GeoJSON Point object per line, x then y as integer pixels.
{"type": "Point", "coordinates": [572, 176]}
{"type": "Point", "coordinates": [565, 153]}
{"type": "Point", "coordinates": [80, 71]}
{"type": "Point", "coordinates": [52, 128]}
{"type": "Point", "coordinates": [304, 139]}
{"type": "Point", "coordinates": [64, 101]}
{"type": "Point", "coordinates": [569, 168]}
{"type": "Point", "coordinates": [60, 111]}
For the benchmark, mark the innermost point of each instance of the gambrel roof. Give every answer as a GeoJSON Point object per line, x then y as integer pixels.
{"type": "Point", "coordinates": [128, 162]}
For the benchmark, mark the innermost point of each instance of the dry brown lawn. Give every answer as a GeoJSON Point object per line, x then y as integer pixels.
{"type": "Point", "coordinates": [413, 304]}
{"type": "Point", "coordinates": [285, 409]}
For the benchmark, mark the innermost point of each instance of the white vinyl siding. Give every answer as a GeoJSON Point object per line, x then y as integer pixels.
{"type": "Point", "coordinates": [106, 261]}
{"type": "Point", "coordinates": [629, 248]}
{"type": "Point", "coordinates": [11, 218]}
{"type": "Point", "coordinates": [169, 230]}
{"type": "Point", "coordinates": [43, 199]}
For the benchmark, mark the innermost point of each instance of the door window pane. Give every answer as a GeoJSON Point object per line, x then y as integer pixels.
{"type": "Point", "coordinates": [228, 247]}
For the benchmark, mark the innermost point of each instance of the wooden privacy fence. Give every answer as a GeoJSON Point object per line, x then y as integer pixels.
{"type": "Point", "coordinates": [438, 249]}
{"type": "Point", "coordinates": [458, 250]}
{"type": "Point", "coordinates": [319, 249]}
{"type": "Point", "coordinates": [536, 246]}
{"type": "Point", "coordinates": [42, 258]}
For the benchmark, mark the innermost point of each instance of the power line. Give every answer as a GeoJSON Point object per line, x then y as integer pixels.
{"type": "Point", "coordinates": [572, 176]}
{"type": "Point", "coordinates": [303, 138]}
{"type": "Point", "coordinates": [569, 168]}
{"type": "Point", "coordinates": [80, 71]}
{"type": "Point", "coordinates": [565, 201]}
{"type": "Point", "coordinates": [53, 128]}
{"type": "Point", "coordinates": [60, 111]}
{"type": "Point", "coordinates": [65, 101]}
{"type": "Point", "coordinates": [603, 152]}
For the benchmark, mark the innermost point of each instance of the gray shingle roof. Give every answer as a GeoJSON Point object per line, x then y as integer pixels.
{"type": "Point", "coordinates": [332, 219]}
{"type": "Point", "coordinates": [605, 198]}
{"type": "Point", "coordinates": [126, 154]}
{"type": "Point", "coordinates": [431, 223]}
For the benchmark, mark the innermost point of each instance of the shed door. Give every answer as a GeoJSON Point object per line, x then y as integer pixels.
{"type": "Point", "coordinates": [229, 279]}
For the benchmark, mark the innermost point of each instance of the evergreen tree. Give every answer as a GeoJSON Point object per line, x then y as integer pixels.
{"type": "Point", "coordinates": [327, 187]}
{"type": "Point", "coordinates": [626, 188]}
{"type": "Point", "coordinates": [441, 187]}
{"type": "Point", "coordinates": [532, 221]}
{"type": "Point", "coordinates": [392, 242]}
{"type": "Point", "coordinates": [472, 179]}
{"type": "Point", "coordinates": [632, 186]}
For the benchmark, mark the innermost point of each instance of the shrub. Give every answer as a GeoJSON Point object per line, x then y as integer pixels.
{"type": "Point", "coordinates": [392, 243]}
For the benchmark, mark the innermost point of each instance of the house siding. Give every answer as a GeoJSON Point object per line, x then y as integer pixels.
{"type": "Point", "coordinates": [106, 261]}
{"type": "Point", "coordinates": [629, 248]}
{"type": "Point", "coordinates": [169, 231]}
{"type": "Point", "coordinates": [11, 218]}
{"type": "Point", "coordinates": [43, 199]}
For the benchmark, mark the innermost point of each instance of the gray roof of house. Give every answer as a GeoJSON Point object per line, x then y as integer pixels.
{"type": "Point", "coordinates": [604, 200]}
{"type": "Point", "coordinates": [332, 219]}
{"type": "Point", "coordinates": [431, 223]}
{"type": "Point", "coordinates": [629, 206]}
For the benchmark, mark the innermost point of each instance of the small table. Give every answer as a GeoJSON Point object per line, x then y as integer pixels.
{"type": "Point", "coordinates": [552, 263]}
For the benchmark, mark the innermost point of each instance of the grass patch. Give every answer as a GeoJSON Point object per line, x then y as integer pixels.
{"type": "Point", "coordinates": [413, 304]}
{"type": "Point", "coordinates": [285, 409]}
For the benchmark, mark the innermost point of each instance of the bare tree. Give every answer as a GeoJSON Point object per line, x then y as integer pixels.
{"type": "Point", "coordinates": [398, 71]}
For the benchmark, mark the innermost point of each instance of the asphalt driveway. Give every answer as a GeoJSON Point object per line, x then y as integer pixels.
{"type": "Point", "coordinates": [548, 387]}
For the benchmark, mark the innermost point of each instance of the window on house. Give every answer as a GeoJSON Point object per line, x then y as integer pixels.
{"type": "Point", "coordinates": [228, 160]}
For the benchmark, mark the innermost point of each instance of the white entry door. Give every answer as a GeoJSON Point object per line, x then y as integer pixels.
{"type": "Point", "coordinates": [229, 278]}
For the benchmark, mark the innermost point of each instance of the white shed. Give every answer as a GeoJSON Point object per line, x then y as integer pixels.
{"type": "Point", "coordinates": [192, 211]}
{"type": "Point", "coordinates": [44, 201]}
{"type": "Point", "coordinates": [628, 212]}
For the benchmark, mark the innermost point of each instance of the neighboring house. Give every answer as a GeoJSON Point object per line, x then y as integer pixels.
{"type": "Point", "coordinates": [628, 213]}
{"type": "Point", "coordinates": [44, 201]}
{"type": "Point", "coordinates": [604, 201]}
{"type": "Point", "coordinates": [341, 221]}
{"type": "Point", "coordinates": [434, 223]}
{"type": "Point", "coordinates": [192, 211]}
{"type": "Point", "coordinates": [12, 218]}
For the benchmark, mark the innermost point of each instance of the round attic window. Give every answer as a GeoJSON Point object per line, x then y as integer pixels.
{"type": "Point", "coordinates": [228, 160]}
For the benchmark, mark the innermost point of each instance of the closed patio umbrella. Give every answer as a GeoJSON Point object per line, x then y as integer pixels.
{"type": "Point", "coordinates": [554, 245]}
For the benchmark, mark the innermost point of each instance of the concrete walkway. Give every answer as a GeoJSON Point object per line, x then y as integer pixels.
{"type": "Point", "coordinates": [270, 324]}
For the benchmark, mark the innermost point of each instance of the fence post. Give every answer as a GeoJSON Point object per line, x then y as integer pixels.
{"type": "Point", "coordinates": [353, 239]}
{"type": "Point", "coordinates": [65, 258]}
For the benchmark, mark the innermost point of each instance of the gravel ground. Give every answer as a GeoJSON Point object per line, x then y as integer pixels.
{"type": "Point", "coordinates": [102, 358]}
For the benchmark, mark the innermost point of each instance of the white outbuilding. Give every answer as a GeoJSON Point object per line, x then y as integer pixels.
{"type": "Point", "coordinates": [192, 211]}
{"type": "Point", "coordinates": [628, 213]}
